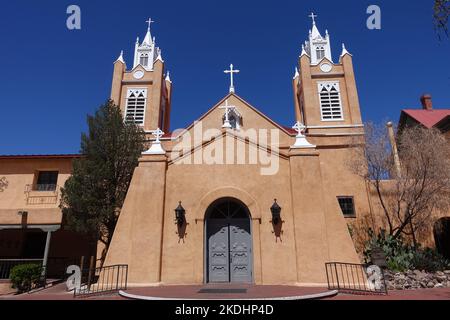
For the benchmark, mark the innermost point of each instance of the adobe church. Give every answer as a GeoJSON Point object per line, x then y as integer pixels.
{"type": "Point", "coordinates": [237, 197]}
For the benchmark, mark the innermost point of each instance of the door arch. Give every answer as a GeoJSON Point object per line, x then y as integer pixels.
{"type": "Point", "coordinates": [228, 242]}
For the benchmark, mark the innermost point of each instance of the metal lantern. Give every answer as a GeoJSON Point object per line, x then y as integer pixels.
{"type": "Point", "coordinates": [180, 215]}
{"type": "Point", "coordinates": [276, 212]}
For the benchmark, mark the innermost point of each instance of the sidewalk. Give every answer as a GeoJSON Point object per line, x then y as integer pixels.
{"type": "Point", "coordinates": [59, 292]}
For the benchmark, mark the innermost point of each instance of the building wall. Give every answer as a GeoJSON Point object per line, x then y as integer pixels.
{"type": "Point", "coordinates": [306, 187]}
{"type": "Point", "coordinates": [42, 208]}
{"type": "Point", "coordinates": [21, 173]}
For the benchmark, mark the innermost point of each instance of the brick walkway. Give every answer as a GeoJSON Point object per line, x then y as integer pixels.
{"type": "Point", "coordinates": [252, 292]}
{"type": "Point", "coordinates": [59, 292]}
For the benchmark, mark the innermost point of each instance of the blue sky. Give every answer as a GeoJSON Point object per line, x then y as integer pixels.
{"type": "Point", "coordinates": [51, 77]}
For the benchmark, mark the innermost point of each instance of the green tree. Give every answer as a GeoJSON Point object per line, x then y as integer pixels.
{"type": "Point", "coordinates": [441, 16]}
{"type": "Point", "coordinates": [93, 196]}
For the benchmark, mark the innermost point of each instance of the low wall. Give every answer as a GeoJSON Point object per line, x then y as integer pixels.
{"type": "Point", "coordinates": [5, 287]}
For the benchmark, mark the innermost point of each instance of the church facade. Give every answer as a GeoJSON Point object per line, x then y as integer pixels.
{"type": "Point", "coordinates": [236, 197]}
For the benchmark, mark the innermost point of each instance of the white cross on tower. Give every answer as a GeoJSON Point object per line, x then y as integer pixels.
{"type": "Point", "coordinates": [313, 17]}
{"type": "Point", "coordinates": [149, 21]}
{"type": "Point", "coordinates": [227, 109]}
{"type": "Point", "coordinates": [156, 147]}
{"type": "Point", "coordinates": [158, 133]}
{"type": "Point", "coordinates": [232, 72]}
{"type": "Point", "coordinates": [300, 128]}
{"type": "Point", "coordinates": [300, 140]}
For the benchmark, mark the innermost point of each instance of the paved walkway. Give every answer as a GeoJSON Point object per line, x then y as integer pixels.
{"type": "Point", "coordinates": [59, 292]}
{"type": "Point", "coordinates": [249, 292]}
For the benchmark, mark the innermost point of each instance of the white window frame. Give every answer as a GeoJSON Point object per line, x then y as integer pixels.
{"type": "Point", "coordinates": [320, 86]}
{"type": "Point", "coordinates": [129, 92]}
{"type": "Point", "coordinates": [144, 59]}
{"type": "Point", "coordinates": [320, 49]}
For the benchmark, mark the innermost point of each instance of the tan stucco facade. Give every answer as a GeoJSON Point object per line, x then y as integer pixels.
{"type": "Point", "coordinates": [305, 182]}
{"type": "Point", "coordinates": [20, 195]}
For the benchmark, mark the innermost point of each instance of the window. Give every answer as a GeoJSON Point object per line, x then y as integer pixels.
{"type": "Point", "coordinates": [136, 101]}
{"type": "Point", "coordinates": [347, 206]}
{"type": "Point", "coordinates": [47, 181]}
{"type": "Point", "coordinates": [144, 60]}
{"type": "Point", "coordinates": [330, 101]}
{"type": "Point", "coordinates": [235, 119]}
{"type": "Point", "coordinates": [320, 53]}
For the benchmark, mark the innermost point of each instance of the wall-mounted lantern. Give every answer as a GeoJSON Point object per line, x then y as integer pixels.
{"type": "Point", "coordinates": [180, 215]}
{"type": "Point", "coordinates": [276, 213]}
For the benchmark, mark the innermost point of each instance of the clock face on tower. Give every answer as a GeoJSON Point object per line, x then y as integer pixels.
{"type": "Point", "coordinates": [138, 74]}
{"type": "Point", "coordinates": [326, 67]}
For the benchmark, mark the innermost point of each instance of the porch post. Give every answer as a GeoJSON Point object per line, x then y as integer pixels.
{"type": "Point", "coordinates": [47, 248]}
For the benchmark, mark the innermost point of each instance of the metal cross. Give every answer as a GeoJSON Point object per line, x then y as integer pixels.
{"type": "Point", "coordinates": [232, 72]}
{"type": "Point", "coordinates": [149, 21]}
{"type": "Point", "coordinates": [227, 109]}
{"type": "Point", "coordinates": [158, 133]}
{"type": "Point", "coordinates": [313, 17]}
{"type": "Point", "coordinates": [299, 127]}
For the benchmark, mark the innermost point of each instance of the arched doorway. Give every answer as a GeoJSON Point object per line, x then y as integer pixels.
{"type": "Point", "coordinates": [228, 242]}
{"type": "Point", "coordinates": [442, 236]}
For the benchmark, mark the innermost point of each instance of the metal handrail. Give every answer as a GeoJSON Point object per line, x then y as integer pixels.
{"type": "Point", "coordinates": [103, 280]}
{"type": "Point", "coordinates": [354, 278]}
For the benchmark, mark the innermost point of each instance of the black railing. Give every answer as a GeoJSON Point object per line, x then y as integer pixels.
{"type": "Point", "coordinates": [103, 280]}
{"type": "Point", "coordinates": [6, 265]}
{"type": "Point", "coordinates": [355, 278]}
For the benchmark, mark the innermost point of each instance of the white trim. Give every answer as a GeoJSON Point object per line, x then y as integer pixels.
{"type": "Point", "coordinates": [326, 294]}
{"type": "Point", "coordinates": [337, 134]}
{"type": "Point", "coordinates": [336, 84]}
{"type": "Point", "coordinates": [43, 227]}
{"type": "Point", "coordinates": [337, 126]}
{"type": "Point", "coordinates": [145, 92]}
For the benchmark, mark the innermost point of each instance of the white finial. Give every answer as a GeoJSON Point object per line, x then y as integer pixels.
{"type": "Point", "coordinates": [296, 75]}
{"type": "Point", "coordinates": [137, 40]}
{"type": "Point", "coordinates": [159, 57]}
{"type": "Point", "coordinates": [156, 147]}
{"type": "Point", "coordinates": [313, 17]}
{"type": "Point", "coordinates": [344, 51]}
{"type": "Point", "coordinates": [227, 108]}
{"type": "Point", "coordinates": [168, 77]}
{"type": "Point", "coordinates": [232, 71]}
{"type": "Point", "coordinates": [149, 21]}
{"type": "Point", "coordinates": [300, 139]}
{"type": "Point", "coordinates": [120, 58]}
{"type": "Point", "coordinates": [303, 51]}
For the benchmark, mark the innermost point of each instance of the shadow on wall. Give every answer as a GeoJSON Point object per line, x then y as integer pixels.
{"type": "Point", "coordinates": [3, 184]}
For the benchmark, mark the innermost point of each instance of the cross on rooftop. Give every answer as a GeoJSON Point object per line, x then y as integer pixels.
{"type": "Point", "coordinates": [313, 17]}
{"type": "Point", "coordinates": [149, 21]}
{"type": "Point", "coordinates": [232, 71]}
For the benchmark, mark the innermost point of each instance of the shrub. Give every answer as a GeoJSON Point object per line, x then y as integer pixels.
{"type": "Point", "coordinates": [25, 277]}
{"type": "Point", "coordinates": [401, 257]}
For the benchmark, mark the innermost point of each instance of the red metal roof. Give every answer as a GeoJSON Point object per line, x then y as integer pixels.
{"type": "Point", "coordinates": [429, 118]}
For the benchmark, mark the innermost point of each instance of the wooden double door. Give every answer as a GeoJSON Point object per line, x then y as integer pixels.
{"type": "Point", "coordinates": [229, 243]}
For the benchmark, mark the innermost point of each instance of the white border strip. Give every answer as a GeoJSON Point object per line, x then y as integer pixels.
{"type": "Point", "coordinates": [294, 298]}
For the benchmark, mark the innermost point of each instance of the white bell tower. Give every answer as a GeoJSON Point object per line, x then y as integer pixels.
{"type": "Point", "coordinates": [144, 54]}
{"type": "Point", "coordinates": [318, 47]}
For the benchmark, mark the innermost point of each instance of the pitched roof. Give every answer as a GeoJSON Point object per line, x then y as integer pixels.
{"type": "Point", "coordinates": [428, 118]}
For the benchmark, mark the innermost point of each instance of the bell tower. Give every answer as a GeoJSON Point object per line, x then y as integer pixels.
{"type": "Point", "coordinates": [325, 93]}
{"type": "Point", "coordinates": [143, 93]}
